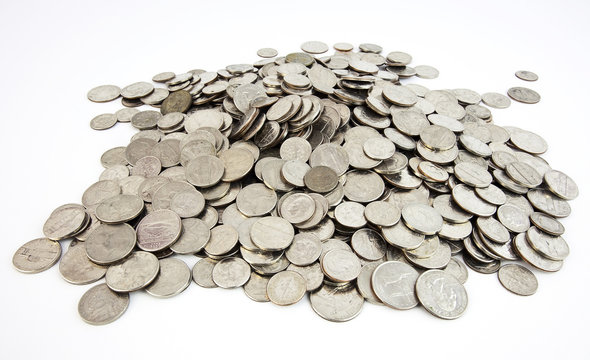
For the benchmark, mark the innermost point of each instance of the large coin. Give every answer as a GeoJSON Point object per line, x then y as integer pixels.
{"type": "Point", "coordinates": [441, 294]}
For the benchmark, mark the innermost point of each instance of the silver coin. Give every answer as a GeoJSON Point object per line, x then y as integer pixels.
{"type": "Point", "coordinates": [313, 275]}
{"type": "Point", "coordinates": [286, 288]}
{"type": "Point", "coordinates": [547, 224]}
{"type": "Point", "coordinates": [466, 198]}
{"type": "Point", "coordinates": [304, 250]}
{"type": "Point", "coordinates": [496, 100]}
{"type": "Point", "coordinates": [400, 236]}
{"type": "Point", "coordinates": [314, 47]}
{"type": "Point", "coordinates": [101, 305]}
{"type": "Point", "coordinates": [473, 175]}
{"type": "Point", "coordinates": [493, 229]}
{"type": "Point", "coordinates": [222, 240]}
{"type": "Point", "coordinates": [297, 208]}
{"type": "Point", "coordinates": [158, 230]}
{"type": "Point", "coordinates": [65, 221]}
{"type": "Point", "coordinates": [368, 244]}
{"type": "Point", "coordinates": [332, 156]}
{"type": "Point", "coordinates": [336, 304]}
{"type": "Point", "coordinates": [204, 171]}
{"type": "Point", "coordinates": [524, 95]}
{"type": "Point", "coordinates": [548, 203]}
{"type": "Point", "coordinates": [458, 270]}
{"type": "Point", "coordinates": [267, 53]}
{"type": "Point", "coordinates": [532, 257]}
{"type": "Point", "coordinates": [103, 121]}
{"type": "Point", "coordinates": [528, 141]}
{"type": "Point", "coordinates": [256, 200]}
{"type": "Point", "coordinates": [188, 204]}
{"type": "Point", "coordinates": [438, 260]}
{"type": "Point", "coordinates": [76, 268]}
{"type": "Point", "coordinates": [561, 185]}
{"type": "Point", "coordinates": [104, 93]}
{"type": "Point", "coordinates": [134, 273]}
{"type": "Point", "coordinates": [382, 213]}
{"type": "Point", "coordinates": [552, 247]}
{"type": "Point", "coordinates": [231, 272]}
{"type": "Point", "coordinates": [110, 243]}
{"type": "Point", "coordinates": [482, 267]}
{"type": "Point", "coordinates": [137, 90]}
{"type": "Point", "coordinates": [457, 232]}
{"type": "Point", "coordinates": [422, 218]}
{"type": "Point", "coordinates": [255, 288]}
{"type": "Point", "coordinates": [518, 279]}
{"type": "Point", "coordinates": [119, 209]}
{"type": "Point", "coordinates": [523, 174]}
{"type": "Point", "coordinates": [492, 194]}
{"type": "Point", "coordinates": [194, 237]}
{"type": "Point", "coordinates": [173, 278]}
{"type": "Point", "coordinates": [526, 75]}
{"type": "Point", "coordinates": [441, 294]}
{"type": "Point", "coordinates": [426, 72]}
{"type": "Point", "coordinates": [394, 283]}
{"type": "Point", "coordinates": [449, 210]}
{"type": "Point", "coordinates": [341, 265]}
{"type": "Point", "coordinates": [350, 214]}
{"type": "Point", "coordinates": [272, 233]}
{"type": "Point", "coordinates": [202, 273]}
{"type": "Point", "coordinates": [36, 255]}
{"type": "Point", "coordinates": [237, 163]}
{"type": "Point", "coordinates": [513, 218]}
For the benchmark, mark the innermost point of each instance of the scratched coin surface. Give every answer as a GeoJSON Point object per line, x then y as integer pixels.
{"type": "Point", "coordinates": [101, 305]}
{"type": "Point", "coordinates": [76, 268]}
{"type": "Point", "coordinates": [441, 294]}
{"type": "Point", "coordinates": [135, 272]}
{"type": "Point", "coordinates": [110, 243]}
{"type": "Point", "coordinates": [36, 255]}
{"type": "Point", "coordinates": [518, 279]}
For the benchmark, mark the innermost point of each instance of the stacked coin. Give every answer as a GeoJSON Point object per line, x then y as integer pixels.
{"type": "Point", "coordinates": [307, 174]}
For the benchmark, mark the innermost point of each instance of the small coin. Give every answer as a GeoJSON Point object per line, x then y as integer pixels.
{"type": "Point", "coordinates": [524, 95]}
{"type": "Point", "coordinates": [103, 121]}
{"type": "Point", "coordinates": [526, 75]}
{"type": "Point", "coordinates": [173, 278]}
{"type": "Point", "coordinates": [134, 273]}
{"type": "Point", "coordinates": [394, 283]}
{"type": "Point", "coordinates": [267, 53]}
{"type": "Point", "coordinates": [222, 240]}
{"type": "Point", "coordinates": [36, 255]}
{"type": "Point", "coordinates": [496, 100]}
{"type": "Point", "coordinates": [286, 288]}
{"type": "Point", "coordinates": [518, 279]}
{"type": "Point", "coordinates": [368, 244]}
{"type": "Point", "coordinates": [202, 273]}
{"type": "Point", "coordinates": [321, 179]}
{"type": "Point", "coordinates": [101, 305]}
{"type": "Point", "coordinates": [231, 272]}
{"type": "Point", "coordinates": [297, 208]}
{"type": "Point", "coordinates": [441, 294]}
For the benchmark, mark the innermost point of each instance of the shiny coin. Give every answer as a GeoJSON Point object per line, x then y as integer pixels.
{"type": "Point", "coordinates": [441, 294]}
{"type": "Point", "coordinates": [194, 237]}
{"type": "Point", "coordinates": [36, 256]}
{"type": "Point", "coordinates": [547, 224]}
{"type": "Point", "coordinates": [561, 185]}
{"type": "Point", "coordinates": [304, 250]}
{"type": "Point", "coordinates": [528, 141]}
{"type": "Point", "coordinates": [222, 240]}
{"type": "Point", "coordinates": [379, 148]}
{"type": "Point", "coordinates": [402, 237]}
{"type": "Point", "coordinates": [231, 272]}
{"type": "Point", "coordinates": [382, 213]}
{"type": "Point", "coordinates": [314, 47]}
{"type": "Point", "coordinates": [267, 53]}
{"type": "Point", "coordinates": [173, 278]}
{"type": "Point", "coordinates": [286, 288]}
{"type": "Point", "coordinates": [458, 270]}
{"type": "Point", "coordinates": [518, 279]}
{"type": "Point", "coordinates": [101, 305]}
{"type": "Point", "coordinates": [492, 194]}
{"type": "Point", "coordinates": [272, 233]}
{"type": "Point", "coordinates": [368, 244]}
{"type": "Point", "coordinates": [337, 304]}
{"type": "Point", "coordinates": [531, 256]}
{"type": "Point", "coordinates": [134, 273]}
{"type": "Point", "coordinates": [394, 283]}
{"type": "Point", "coordinates": [350, 214]}
{"type": "Point", "coordinates": [110, 243]}
{"type": "Point", "coordinates": [548, 203]}
{"type": "Point", "coordinates": [341, 265]}
{"type": "Point", "coordinates": [493, 229]}
{"type": "Point", "coordinates": [496, 100]}
{"type": "Point", "coordinates": [473, 174]}
{"type": "Point", "coordinates": [76, 268]}
{"type": "Point", "coordinates": [104, 93]}
{"type": "Point", "coordinates": [295, 148]}
{"type": "Point", "coordinates": [158, 230]}
{"type": "Point", "coordinates": [526, 75]}
{"type": "Point", "coordinates": [203, 273]}
{"type": "Point", "coordinates": [513, 218]}
{"type": "Point", "coordinates": [312, 274]}
{"type": "Point", "coordinates": [422, 218]}
{"type": "Point", "coordinates": [470, 202]}
{"type": "Point", "coordinates": [448, 209]}
{"type": "Point", "coordinates": [552, 247]}
{"type": "Point", "coordinates": [523, 174]}
{"type": "Point", "coordinates": [297, 208]}
{"type": "Point", "coordinates": [524, 95]}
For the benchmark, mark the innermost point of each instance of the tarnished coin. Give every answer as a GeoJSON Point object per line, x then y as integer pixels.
{"type": "Point", "coordinates": [255, 288]}
{"type": "Point", "coordinates": [363, 186]}
{"type": "Point", "coordinates": [272, 233]}
{"type": "Point", "coordinates": [203, 273]}
{"type": "Point", "coordinates": [321, 179]}
{"type": "Point", "coordinates": [441, 294]}
{"type": "Point", "coordinates": [36, 256]}
{"type": "Point", "coordinates": [518, 279]}
{"type": "Point", "coordinates": [101, 305]}
{"type": "Point", "coordinates": [188, 203]}
{"type": "Point", "coordinates": [204, 171]}
{"type": "Point", "coordinates": [297, 208]}
{"type": "Point", "coordinates": [177, 102]}
{"type": "Point", "coordinates": [552, 247]}
{"type": "Point", "coordinates": [341, 265]}
{"type": "Point", "coordinates": [158, 230]}
{"type": "Point", "coordinates": [110, 243]}
{"type": "Point", "coordinates": [237, 163]}
{"type": "Point", "coordinates": [137, 90]}
{"type": "Point", "coordinates": [103, 121]}
{"type": "Point", "coordinates": [382, 213]}
{"type": "Point", "coordinates": [104, 93]}
{"type": "Point", "coordinates": [173, 278]}
{"type": "Point", "coordinates": [422, 218]}
{"type": "Point", "coordinates": [65, 221]}
{"type": "Point", "coordinates": [76, 268]}
{"type": "Point", "coordinates": [231, 272]}
{"type": "Point", "coordinates": [526, 75]}
{"type": "Point", "coordinates": [286, 288]}
{"type": "Point", "coordinates": [561, 185]}
{"type": "Point", "coordinates": [304, 250]}
{"type": "Point", "coordinates": [394, 283]}
{"type": "Point", "coordinates": [134, 273]}
{"type": "Point", "coordinates": [524, 95]}
{"type": "Point", "coordinates": [337, 304]}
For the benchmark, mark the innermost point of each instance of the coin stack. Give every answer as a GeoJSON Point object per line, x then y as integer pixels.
{"type": "Point", "coordinates": [311, 174]}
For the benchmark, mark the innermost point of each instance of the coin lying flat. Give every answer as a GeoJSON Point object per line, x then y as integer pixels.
{"type": "Point", "coordinates": [36, 256]}
{"type": "Point", "coordinates": [526, 75]}
{"type": "Point", "coordinates": [518, 279]}
{"type": "Point", "coordinates": [101, 305]}
{"type": "Point", "coordinates": [286, 288]}
{"type": "Point", "coordinates": [158, 230]}
{"type": "Point", "coordinates": [255, 288]}
{"type": "Point", "coordinates": [173, 278]}
{"type": "Point", "coordinates": [441, 294]}
{"type": "Point", "coordinates": [341, 265]}
{"type": "Point", "coordinates": [394, 283]}
{"type": "Point", "coordinates": [336, 304]}
{"type": "Point", "coordinates": [231, 272]}
{"type": "Point", "coordinates": [134, 273]}
{"type": "Point", "coordinates": [76, 268]}
{"type": "Point", "coordinates": [110, 243]}
{"type": "Point", "coordinates": [202, 273]}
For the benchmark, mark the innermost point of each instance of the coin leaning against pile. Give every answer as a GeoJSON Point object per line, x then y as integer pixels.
{"type": "Point", "coordinates": [306, 174]}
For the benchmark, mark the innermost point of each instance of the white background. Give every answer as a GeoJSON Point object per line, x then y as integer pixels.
{"type": "Point", "coordinates": [54, 52]}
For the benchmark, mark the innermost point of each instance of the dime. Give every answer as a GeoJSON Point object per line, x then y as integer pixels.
{"type": "Point", "coordinates": [134, 273]}
{"type": "Point", "coordinates": [297, 208]}
{"type": "Point", "coordinates": [441, 294]}
{"type": "Point", "coordinates": [286, 288]}
{"type": "Point", "coordinates": [518, 279]}
{"type": "Point", "coordinates": [394, 283]}
{"type": "Point", "coordinates": [36, 256]}
{"type": "Point", "coordinates": [101, 305]}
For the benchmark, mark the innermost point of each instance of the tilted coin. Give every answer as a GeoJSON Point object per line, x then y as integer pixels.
{"type": "Point", "coordinates": [513, 218]}
{"type": "Point", "coordinates": [470, 202]}
{"type": "Point", "coordinates": [231, 272]}
{"type": "Point", "coordinates": [496, 100]}
{"type": "Point", "coordinates": [547, 224]}
{"type": "Point", "coordinates": [422, 218]}
{"type": "Point", "coordinates": [174, 276]}
{"type": "Point", "coordinates": [548, 203]}
{"type": "Point", "coordinates": [194, 237]}
{"type": "Point", "coordinates": [178, 101]}
{"type": "Point", "coordinates": [158, 230]}
{"type": "Point", "coordinates": [65, 221]}
{"type": "Point", "coordinates": [493, 229]}
{"type": "Point", "coordinates": [137, 90]}
{"type": "Point", "coordinates": [76, 268]}
{"type": "Point", "coordinates": [104, 93]}
{"type": "Point", "coordinates": [561, 185]}
{"type": "Point", "coordinates": [255, 288]}
{"type": "Point", "coordinates": [295, 148]}
{"type": "Point", "coordinates": [394, 283]}
{"type": "Point", "coordinates": [551, 247]}
{"type": "Point", "coordinates": [204, 171]}
{"type": "Point", "coordinates": [473, 175]}
{"type": "Point", "coordinates": [524, 95]}
{"type": "Point", "coordinates": [350, 214]}
{"type": "Point", "coordinates": [119, 209]}
{"type": "Point", "coordinates": [341, 265]}
{"type": "Point", "coordinates": [441, 294]}
{"type": "Point", "coordinates": [36, 255]}
{"type": "Point", "coordinates": [368, 244]}
{"type": "Point", "coordinates": [382, 213]}
{"type": "Point", "coordinates": [518, 279]}
{"type": "Point", "coordinates": [202, 273]}
{"type": "Point", "coordinates": [336, 304]}
{"type": "Point", "coordinates": [286, 288]}
{"type": "Point", "coordinates": [101, 305]}
{"type": "Point", "coordinates": [400, 236]}
{"type": "Point", "coordinates": [531, 256]}
{"type": "Point", "coordinates": [313, 275]}
{"type": "Point", "coordinates": [103, 121]}
{"type": "Point", "coordinates": [458, 270]}
{"type": "Point", "coordinates": [523, 174]}
{"type": "Point", "coordinates": [135, 272]}
{"type": "Point", "coordinates": [222, 240]}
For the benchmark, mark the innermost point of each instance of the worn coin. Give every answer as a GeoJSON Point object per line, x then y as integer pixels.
{"type": "Point", "coordinates": [65, 221]}
{"type": "Point", "coordinates": [458, 270]}
{"type": "Point", "coordinates": [255, 288]}
{"type": "Point", "coordinates": [321, 179]}
{"type": "Point", "coordinates": [495, 100]}
{"type": "Point", "coordinates": [441, 294]}
{"type": "Point", "coordinates": [524, 95]}
{"type": "Point", "coordinates": [341, 265]}
{"type": "Point", "coordinates": [286, 288]}
{"type": "Point", "coordinates": [100, 305]}
{"type": "Point", "coordinates": [561, 185]}
{"type": "Point", "coordinates": [119, 208]}
{"type": "Point", "coordinates": [551, 247]}
{"type": "Point", "coordinates": [297, 208]}
{"type": "Point", "coordinates": [104, 93]}
{"type": "Point", "coordinates": [304, 250]}
{"type": "Point", "coordinates": [382, 213]}
{"type": "Point", "coordinates": [272, 233]}
{"type": "Point", "coordinates": [422, 218]}
{"type": "Point", "coordinates": [194, 237]}
{"type": "Point", "coordinates": [158, 230]}
{"type": "Point", "coordinates": [394, 283]}
{"type": "Point", "coordinates": [76, 268]}
{"type": "Point", "coordinates": [222, 240]}
{"type": "Point", "coordinates": [337, 304]}
{"type": "Point", "coordinates": [202, 273]}
{"type": "Point", "coordinates": [110, 243]}
{"type": "Point", "coordinates": [256, 200]}
{"type": "Point", "coordinates": [547, 224]}
{"type": "Point", "coordinates": [368, 244]}
{"type": "Point", "coordinates": [518, 279]}
{"type": "Point", "coordinates": [174, 276]}
{"type": "Point", "coordinates": [36, 255]}
{"type": "Point", "coordinates": [231, 272]}
{"type": "Point", "coordinates": [531, 256]}
{"type": "Point", "coordinates": [134, 273]}
{"type": "Point", "coordinates": [205, 171]}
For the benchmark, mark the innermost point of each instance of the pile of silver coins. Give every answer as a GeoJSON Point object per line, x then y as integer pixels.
{"type": "Point", "coordinates": [310, 174]}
